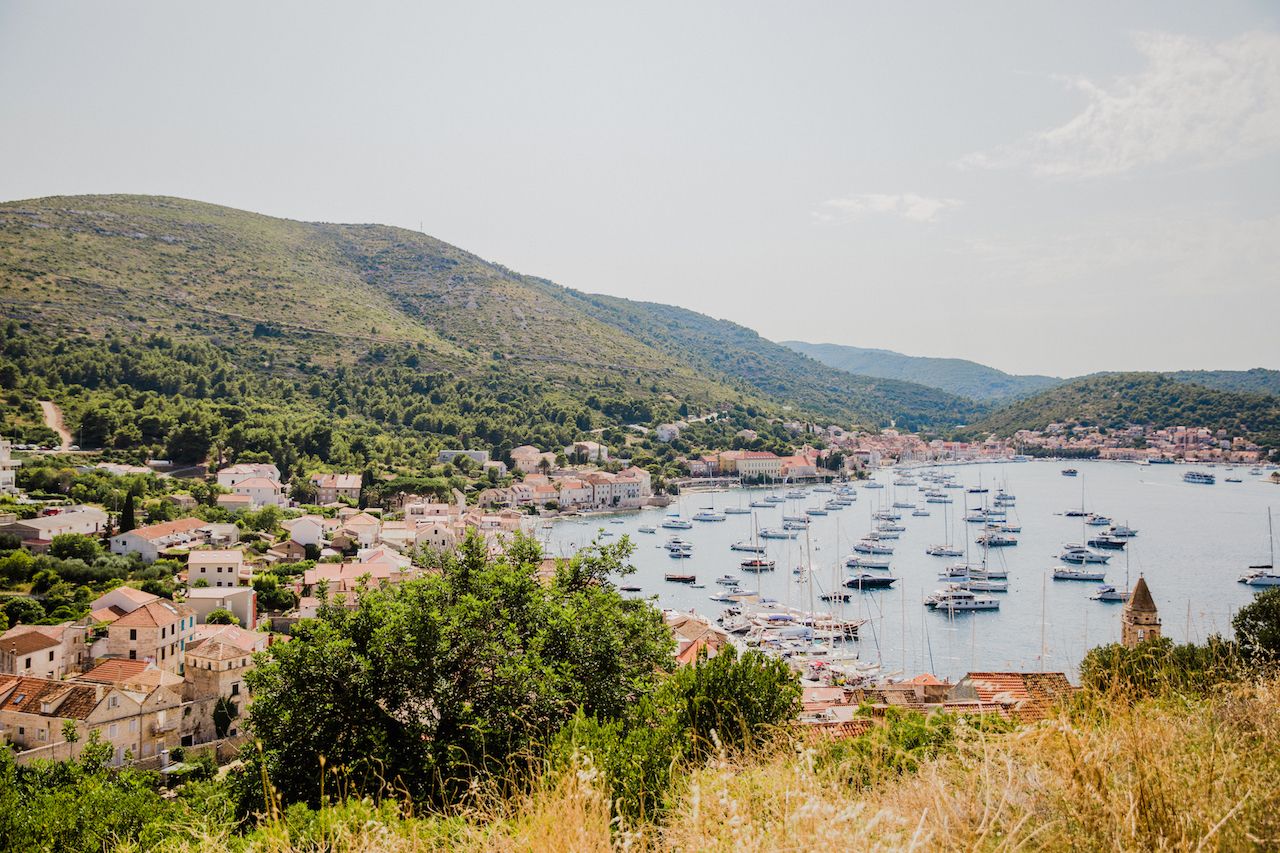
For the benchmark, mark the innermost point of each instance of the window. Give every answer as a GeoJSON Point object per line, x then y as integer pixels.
{"type": "Point", "coordinates": [27, 665]}
{"type": "Point", "coordinates": [50, 657]}
{"type": "Point", "coordinates": [42, 734]}
{"type": "Point", "coordinates": [162, 651]}
{"type": "Point", "coordinates": [111, 732]}
{"type": "Point", "coordinates": [113, 702]}
{"type": "Point", "coordinates": [133, 725]}
{"type": "Point", "coordinates": [235, 689]}
{"type": "Point", "coordinates": [133, 633]}
{"type": "Point", "coordinates": [133, 654]}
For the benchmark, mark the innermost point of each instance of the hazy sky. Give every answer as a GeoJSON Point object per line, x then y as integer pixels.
{"type": "Point", "coordinates": [1061, 190]}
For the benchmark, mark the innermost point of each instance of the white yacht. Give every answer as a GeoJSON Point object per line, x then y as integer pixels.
{"type": "Point", "coordinates": [1078, 573]}
{"type": "Point", "coordinates": [956, 597]}
{"type": "Point", "coordinates": [1107, 592]}
{"type": "Point", "coordinates": [708, 514]}
{"type": "Point", "coordinates": [943, 551]}
{"type": "Point", "coordinates": [1201, 477]}
{"type": "Point", "coordinates": [775, 533]}
{"type": "Point", "coordinates": [867, 546]}
{"type": "Point", "coordinates": [859, 562]}
{"type": "Point", "coordinates": [675, 522]}
{"type": "Point", "coordinates": [1081, 555]}
{"type": "Point", "coordinates": [648, 528]}
{"type": "Point", "coordinates": [749, 547]}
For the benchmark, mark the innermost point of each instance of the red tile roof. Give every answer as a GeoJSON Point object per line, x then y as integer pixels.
{"type": "Point", "coordinates": [27, 695]}
{"type": "Point", "coordinates": [158, 531]}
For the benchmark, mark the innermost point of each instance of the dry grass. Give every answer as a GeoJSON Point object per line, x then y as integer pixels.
{"type": "Point", "coordinates": [1158, 775]}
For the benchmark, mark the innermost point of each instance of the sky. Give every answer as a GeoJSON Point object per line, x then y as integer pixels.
{"type": "Point", "coordinates": [1046, 188]}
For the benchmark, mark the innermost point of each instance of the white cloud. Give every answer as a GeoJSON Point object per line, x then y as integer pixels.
{"type": "Point", "coordinates": [915, 208]}
{"type": "Point", "coordinates": [1196, 103]}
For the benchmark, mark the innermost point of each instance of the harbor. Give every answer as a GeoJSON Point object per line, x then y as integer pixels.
{"type": "Point", "coordinates": [1060, 552]}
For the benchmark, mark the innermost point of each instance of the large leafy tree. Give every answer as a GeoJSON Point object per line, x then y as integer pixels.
{"type": "Point", "coordinates": [1257, 627]}
{"type": "Point", "coordinates": [424, 686]}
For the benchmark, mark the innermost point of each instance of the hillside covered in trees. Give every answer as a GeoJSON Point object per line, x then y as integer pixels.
{"type": "Point", "coordinates": [1115, 400]}
{"type": "Point", "coordinates": [136, 313]}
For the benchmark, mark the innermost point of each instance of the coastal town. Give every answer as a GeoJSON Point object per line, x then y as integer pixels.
{"type": "Point", "coordinates": [154, 672]}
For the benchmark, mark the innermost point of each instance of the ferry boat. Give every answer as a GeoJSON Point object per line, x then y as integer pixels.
{"type": "Point", "coordinates": [749, 547]}
{"type": "Point", "coordinates": [757, 565]}
{"type": "Point", "coordinates": [1081, 555]}
{"type": "Point", "coordinates": [956, 597]}
{"type": "Point", "coordinates": [675, 522]}
{"type": "Point", "coordinates": [775, 533]}
{"type": "Point", "coordinates": [1201, 477]}
{"type": "Point", "coordinates": [866, 581]}
{"type": "Point", "coordinates": [857, 562]}
{"type": "Point", "coordinates": [708, 515]}
{"type": "Point", "coordinates": [943, 551]}
{"type": "Point", "coordinates": [1069, 472]}
{"type": "Point", "coordinates": [1078, 573]}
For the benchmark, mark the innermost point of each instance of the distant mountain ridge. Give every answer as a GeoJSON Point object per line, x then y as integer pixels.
{"type": "Point", "coordinates": [953, 375]}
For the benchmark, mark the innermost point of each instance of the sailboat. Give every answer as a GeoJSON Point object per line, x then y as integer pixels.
{"type": "Point", "coordinates": [1109, 593]}
{"type": "Point", "coordinates": [1264, 575]}
{"type": "Point", "coordinates": [755, 564]}
{"type": "Point", "coordinates": [947, 549]}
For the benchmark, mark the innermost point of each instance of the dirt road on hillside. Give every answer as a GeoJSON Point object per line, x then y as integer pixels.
{"type": "Point", "coordinates": [53, 420]}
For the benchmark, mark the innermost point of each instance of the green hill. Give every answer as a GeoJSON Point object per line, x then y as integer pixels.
{"type": "Point", "coordinates": [209, 318]}
{"type": "Point", "coordinates": [953, 375]}
{"type": "Point", "coordinates": [1115, 400]}
{"type": "Point", "coordinates": [1255, 381]}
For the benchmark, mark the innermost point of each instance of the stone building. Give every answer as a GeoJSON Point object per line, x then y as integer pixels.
{"type": "Point", "coordinates": [1139, 621]}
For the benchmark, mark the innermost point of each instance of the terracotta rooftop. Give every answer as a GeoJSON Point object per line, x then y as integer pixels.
{"type": "Point", "coordinates": [154, 614]}
{"type": "Point", "coordinates": [158, 531]}
{"type": "Point", "coordinates": [26, 642]}
{"type": "Point", "coordinates": [115, 670]}
{"type": "Point", "coordinates": [28, 695]}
